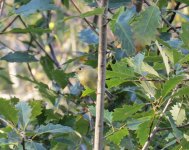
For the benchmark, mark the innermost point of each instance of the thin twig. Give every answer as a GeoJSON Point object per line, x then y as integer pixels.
{"type": "Point", "coordinates": [49, 37]}
{"type": "Point", "coordinates": [183, 7]}
{"type": "Point", "coordinates": [30, 70]}
{"type": "Point", "coordinates": [38, 44]}
{"type": "Point", "coordinates": [174, 13]}
{"type": "Point", "coordinates": [9, 24]}
{"type": "Point", "coordinates": [88, 23]}
{"type": "Point", "coordinates": [170, 128]}
{"type": "Point", "coordinates": [155, 129]}
{"type": "Point", "coordinates": [164, 20]}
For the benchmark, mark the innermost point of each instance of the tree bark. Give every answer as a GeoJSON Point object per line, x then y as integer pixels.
{"type": "Point", "coordinates": [98, 139]}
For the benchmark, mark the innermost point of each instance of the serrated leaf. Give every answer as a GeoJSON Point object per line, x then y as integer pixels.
{"type": "Point", "coordinates": [87, 92]}
{"type": "Point", "coordinates": [165, 58]}
{"type": "Point", "coordinates": [120, 70]}
{"type": "Point", "coordinates": [19, 57]}
{"type": "Point", "coordinates": [149, 87]}
{"type": "Point", "coordinates": [182, 91]}
{"type": "Point", "coordinates": [117, 136]}
{"type": "Point", "coordinates": [185, 33]}
{"type": "Point", "coordinates": [170, 85]}
{"type": "Point", "coordinates": [34, 6]}
{"type": "Point", "coordinates": [36, 109]}
{"type": "Point", "coordinates": [24, 114]}
{"type": "Point", "coordinates": [48, 66]}
{"type": "Point", "coordinates": [123, 31]}
{"type": "Point", "coordinates": [178, 113]}
{"type": "Point", "coordinates": [60, 77]}
{"type": "Point", "coordinates": [8, 111]}
{"type": "Point", "coordinates": [145, 27]}
{"type": "Point", "coordinates": [143, 132]}
{"type": "Point", "coordinates": [53, 128]}
{"type": "Point", "coordinates": [121, 114]}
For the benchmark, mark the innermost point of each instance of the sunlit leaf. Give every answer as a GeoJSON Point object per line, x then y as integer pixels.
{"type": "Point", "coordinates": [121, 114]}
{"type": "Point", "coordinates": [178, 113]}
{"type": "Point", "coordinates": [145, 26]}
{"type": "Point", "coordinates": [8, 111]}
{"type": "Point", "coordinates": [117, 136]}
{"type": "Point", "coordinates": [170, 85]}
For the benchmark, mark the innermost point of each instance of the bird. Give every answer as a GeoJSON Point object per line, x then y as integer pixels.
{"type": "Point", "coordinates": [88, 76]}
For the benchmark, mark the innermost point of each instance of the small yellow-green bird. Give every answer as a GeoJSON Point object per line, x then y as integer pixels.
{"type": "Point", "coordinates": [87, 76]}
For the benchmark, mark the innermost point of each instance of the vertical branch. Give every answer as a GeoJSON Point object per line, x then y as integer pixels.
{"type": "Point", "coordinates": [98, 139]}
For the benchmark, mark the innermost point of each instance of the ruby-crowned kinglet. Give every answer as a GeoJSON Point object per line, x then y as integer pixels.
{"type": "Point", "coordinates": [88, 78]}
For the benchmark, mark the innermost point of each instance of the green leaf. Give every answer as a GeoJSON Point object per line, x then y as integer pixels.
{"type": "Point", "coordinates": [117, 136]}
{"type": "Point", "coordinates": [133, 124]}
{"type": "Point", "coordinates": [121, 114]}
{"type": "Point", "coordinates": [36, 109]}
{"type": "Point", "coordinates": [34, 6]}
{"type": "Point", "coordinates": [34, 146]}
{"type": "Point", "coordinates": [177, 133]}
{"type": "Point", "coordinates": [182, 91]}
{"type": "Point", "coordinates": [124, 33]}
{"type": "Point", "coordinates": [66, 3]}
{"type": "Point", "coordinates": [60, 77]}
{"type": "Point", "coordinates": [170, 85]}
{"type": "Point", "coordinates": [28, 30]}
{"type": "Point", "coordinates": [24, 113]}
{"type": "Point", "coordinates": [143, 132]}
{"type": "Point", "coordinates": [145, 26]}
{"type": "Point", "coordinates": [82, 125]}
{"type": "Point", "coordinates": [19, 57]}
{"type": "Point", "coordinates": [149, 87]}
{"type": "Point", "coordinates": [96, 11]}
{"type": "Point", "coordinates": [120, 70]}
{"type": "Point", "coordinates": [53, 128]}
{"type": "Point", "coordinates": [165, 58]}
{"type": "Point", "coordinates": [185, 33]}
{"type": "Point", "coordinates": [87, 92]}
{"type": "Point", "coordinates": [48, 66]}
{"type": "Point", "coordinates": [114, 82]}
{"type": "Point", "coordinates": [115, 18]}
{"type": "Point", "coordinates": [178, 113]}
{"type": "Point", "coordinates": [8, 111]}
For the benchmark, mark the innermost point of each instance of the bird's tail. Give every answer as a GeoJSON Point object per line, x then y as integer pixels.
{"type": "Point", "coordinates": [109, 95]}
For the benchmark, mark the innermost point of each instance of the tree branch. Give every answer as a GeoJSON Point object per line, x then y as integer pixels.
{"type": "Point", "coordinates": [98, 139]}
{"type": "Point", "coordinates": [88, 23]}
{"type": "Point", "coordinates": [174, 13]}
{"type": "Point", "coordinates": [155, 129]}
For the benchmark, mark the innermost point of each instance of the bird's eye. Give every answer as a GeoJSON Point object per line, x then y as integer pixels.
{"type": "Point", "coordinates": [80, 68]}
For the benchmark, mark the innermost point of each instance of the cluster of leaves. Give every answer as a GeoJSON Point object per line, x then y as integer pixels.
{"type": "Point", "coordinates": [147, 69]}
